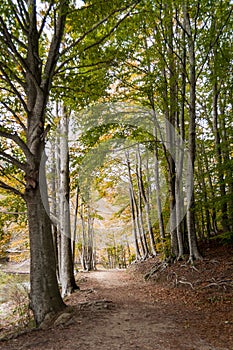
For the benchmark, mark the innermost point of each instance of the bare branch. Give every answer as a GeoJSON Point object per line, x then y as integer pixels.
{"type": "Point", "coordinates": [13, 161]}
{"type": "Point", "coordinates": [3, 66]}
{"type": "Point", "coordinates": [22, 23]}
{"type": "Point", "coordinates": [15, 137]}
{"type": "Point", "coordinates": [12, 212]}
{"type": "Point", "coordinates": [8, 40]}
{"type": "Point", "coordinates": [11, 189]}
{"type": "Point", "coordinates": [81, 66]}
{"type": "Point", "coordinates": [23, 12]}
{"type": "Point", "coordinates": [45, 18]}
{"type": "Point", "coordinates": [14, 115]}
{"type": "Point", "coordinates": [55, 45]}
{"type": "Point", "coordinates": [7, 79]}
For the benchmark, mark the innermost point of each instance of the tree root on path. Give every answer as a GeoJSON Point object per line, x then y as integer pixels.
{"type": "Point", "coordinates": [156, 270]}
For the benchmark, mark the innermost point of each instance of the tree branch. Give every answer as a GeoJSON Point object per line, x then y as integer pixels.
{"type": "Point", "coordinates": [214, 42]}
{"type": "Point", "coordinates": [11, 189]}
{"type": "Point", "coordinates": [14, 115]}
{"type": "Point", "coordinates": [95, 26]}
{"type": "Point", "coordinates": [55, 45]}
{"type": "Point", "coordinates": [13, 161]}
{"type": "Point", "coordinates": [112, 29]}
{"type": "Point", "coordinates": [15, 137]}
{"type": "Point", "coordinates": [22, 23]}
{"type": "Point", "coordinates": [3, 66]}
{"type": "Point", "coordinates": [45, 18]}
{"type": "Point", "coordinates": [81, 66]}
{"type": "Point", "coordinates": [7, 79]}
{"type": "Point", "coordinates": [9, 42]}
{"type": "Point", "coordinates": [23, 12]}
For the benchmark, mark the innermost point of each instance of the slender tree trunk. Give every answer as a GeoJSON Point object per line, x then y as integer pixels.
{"type": "Point", "coordinates": [193, 249]}
{"type": "Point", "coordinates": [211, 188]}
{"type": "Point", "coordinates": [203, 187]}
{"type": "Point", "coordinates": [132, 209]}
{"type": "Point", "coordinates": [170, 130]}
{"type": "Point", "coordinates": [140, 208]}
{"type": "Point", "coordinates": [229, 169]}
{"type": "Point", "coordinates": [142, 193]}
{"type": "Point", "coordinates": [224, 209]}
{"type": "Point", "coordinates": [75, 222]}
{"type": "Point", "coordinates": [180, 157]}
{"type": "Point", "coordinates": [87, 220]}
{"type": "Point", "coordinates": [83, 255]}
{"type": "Point", "coordinates": [54, 200]}
{"type": "Point", "coordinates": [158, 193]}
{"type": "Point", "coordinates": [67, 267]}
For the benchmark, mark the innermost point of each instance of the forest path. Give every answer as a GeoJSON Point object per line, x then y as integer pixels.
{"type": "Point", "coordinates": [116, 310]}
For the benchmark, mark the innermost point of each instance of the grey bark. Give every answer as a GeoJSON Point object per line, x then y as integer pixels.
{"type": "Point", "coordinates": [67, 279]}
{"type": "Point", "coordinates": [142, 194]}
{"type": "Point", "coordinates": [44, 296]}
{"type": "Point", "coordinates": [158, 190]}
{"type": "Point", "coordinates": [218, 149]}
{"type": "Point", "coordinates": [193, 249]}
{"type": "Point", "coordinates": [132, 209]}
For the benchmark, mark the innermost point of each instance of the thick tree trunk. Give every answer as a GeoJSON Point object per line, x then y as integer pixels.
{"type": "Point", "coordinates": [45, 297]}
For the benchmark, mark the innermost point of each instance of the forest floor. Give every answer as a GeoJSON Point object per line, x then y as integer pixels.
{"type": "Point", "coordinates": [179, 308]}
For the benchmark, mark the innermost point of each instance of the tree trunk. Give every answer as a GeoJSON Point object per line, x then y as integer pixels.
{"type": "Point", "coordinates": [45, 298]}
{"type": "Point", "coordinates": [140, 208]}
{"type": "Point", "coordinates": [132, 209]}
{"type": "Point", "coordinates": [158, 191]}
{"type": "Point", "coordinates": [180, 157]}
{"type": "Point", "coordinates": [75, 222]}
{"type": "Point", "coordinates": [212, 192]}
{"type": "Point", "coordinates": [193, 249]}
{"type": "Point", "coordinates": [67, 267]}
{"type": "Point", "coordinates": [53, 185]}
{"type": "Point", "coordinates": [218, 148]}
{"type": "Point", "coordinates": [142, 194]}
{"type": "Point", "coordinates": [44, 295]}
{"type": "Point", "coordinates": [87, 220]}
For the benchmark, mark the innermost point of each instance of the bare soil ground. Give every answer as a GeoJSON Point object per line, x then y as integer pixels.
{"type": "Point", "coordinates": [179, 308]}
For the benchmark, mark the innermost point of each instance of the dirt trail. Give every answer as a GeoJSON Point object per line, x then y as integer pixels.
{"type": "Point", "coordinates": [114, 310]}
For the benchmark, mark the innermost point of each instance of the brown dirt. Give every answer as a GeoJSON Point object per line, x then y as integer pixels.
{"type": "Point", "coordinates": [181, 308]}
